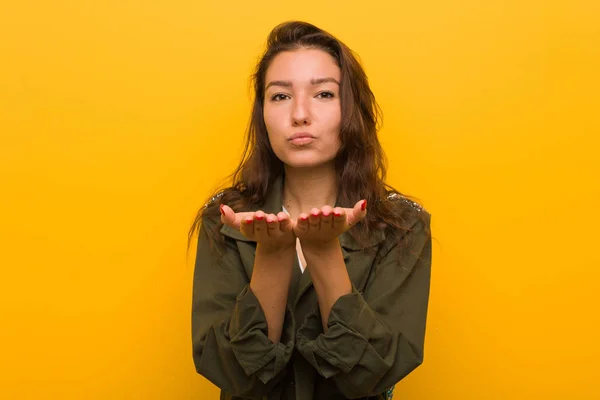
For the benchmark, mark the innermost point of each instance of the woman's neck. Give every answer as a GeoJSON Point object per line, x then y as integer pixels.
{"type": "Point", "coordinates": [307, 188]}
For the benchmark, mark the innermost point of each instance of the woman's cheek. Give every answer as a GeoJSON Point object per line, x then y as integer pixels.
{"type": "Point", "coordinates": [276, 141]}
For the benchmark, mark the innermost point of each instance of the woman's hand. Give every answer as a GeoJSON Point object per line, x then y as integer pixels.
{"type": "Point", "coordinates": [322, 226]}
{"type": "Point", "coordinates": [271, 232]}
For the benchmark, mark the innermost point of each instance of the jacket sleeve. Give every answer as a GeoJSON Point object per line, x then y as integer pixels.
{"type": "Point", "coordinates": [375, 338]}
{"type": "Point", "coordinates": [229, 328]}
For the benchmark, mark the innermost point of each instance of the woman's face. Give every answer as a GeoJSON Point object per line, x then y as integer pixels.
{"type": "Point", "coordinates": [302, 107]}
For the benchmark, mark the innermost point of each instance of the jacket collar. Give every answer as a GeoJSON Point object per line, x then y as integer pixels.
{"type": "Point", "coordinates": [273, 205]}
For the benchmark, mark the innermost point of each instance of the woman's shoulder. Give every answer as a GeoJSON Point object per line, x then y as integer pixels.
{"type": "Point", "coordinates": [406, 207]}
{"type": "Point", "coordinates": [408, 223]}
{"type": "Point", "coordinates": [404, 200]}
{"type": "Point", "coordinates": [406, 218]}
{"type": "Point", "coordinates": [210, 213]}
{"type": "Point", "coordinates": [214, 200]}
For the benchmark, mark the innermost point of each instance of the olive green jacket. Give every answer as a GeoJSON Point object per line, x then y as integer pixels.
{"type": "Point", "coordinates": [375, 334]}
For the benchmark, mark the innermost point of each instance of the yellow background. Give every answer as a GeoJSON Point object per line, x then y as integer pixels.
{"type": "Point", "coordinates": [118, 117]}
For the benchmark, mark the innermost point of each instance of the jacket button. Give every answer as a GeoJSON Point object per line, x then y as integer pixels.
{"type": "Point", "coordinates": [293, 383]}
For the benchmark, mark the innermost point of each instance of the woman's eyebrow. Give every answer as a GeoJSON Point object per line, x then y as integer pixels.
{"type": "Point", "coordinates": [323, 80]}
{"type": "Point", "coordinates": [313, 82]}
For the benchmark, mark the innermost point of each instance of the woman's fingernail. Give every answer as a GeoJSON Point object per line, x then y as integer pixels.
{"type": "Point", "coordinates": [221, 208]}
{"type": "Point", "coordinates": [337, 214]}
{"type": "Point", "coordinates": [364, 205]}
{"type": "Point", "coordinates": [326, 214]}
{"type": "Point", "coordinates": [259, 218]}
{"type": "Point", "coordinates": [304, 218]}
{"type": "Point", "coordinates": [248, 221]}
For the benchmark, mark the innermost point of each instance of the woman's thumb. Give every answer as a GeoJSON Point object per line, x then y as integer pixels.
{"type": "Point", "coordinates": [359, 211]}
{"type": "Point", "coordinates": [228, 216]}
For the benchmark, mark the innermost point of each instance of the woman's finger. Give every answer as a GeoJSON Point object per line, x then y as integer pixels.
{"type": "Point", "coordinates": [233, 219]}
{"type": "Point", "coordinates": [314, 219]}
{"type": "Point", "coordinates": [326, 217]}
{"type": "Point", "coordinates": [260, 224]}
{"type": "Point", "coordinates": [247, 226]}
{"type": "Point", "coordinates": [302, 223]}
{"type": "Point", "coordinates": [272, 224]}
{"type": "Point", "coordinates": [285, 222]}
{"type": "Point", "coordinates": [357, 213]}
{"type": "Point", "coordinates": [227, 215]}
{"type": "Point", "coordinates": [339, 218]}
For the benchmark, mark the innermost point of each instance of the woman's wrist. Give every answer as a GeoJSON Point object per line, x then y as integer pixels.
{"type": "Point", "coordinates": [276, 250]}
{"type": "Point", "coordinates": [320, 248]}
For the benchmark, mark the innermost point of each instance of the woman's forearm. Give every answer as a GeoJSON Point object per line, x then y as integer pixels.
{"type": "Point", "coordinates": [328, 272]}
{"type": "Point", "coordinates": [270, 284]}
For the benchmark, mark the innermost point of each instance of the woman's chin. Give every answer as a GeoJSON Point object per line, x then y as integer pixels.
{"type": "Point", "coordinates": [307, 162]}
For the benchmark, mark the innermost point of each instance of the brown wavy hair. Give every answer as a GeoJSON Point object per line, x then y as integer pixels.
{"type": "Point", "coordinates": [360, 163]}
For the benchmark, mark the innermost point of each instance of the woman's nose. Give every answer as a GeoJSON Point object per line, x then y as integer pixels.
{"type": "Point", "coordinates": [300, 113]}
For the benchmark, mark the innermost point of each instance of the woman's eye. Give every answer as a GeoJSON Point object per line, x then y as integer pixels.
{"type": "Point", "coordinates": [281, 96]}
{"type": "Point", "coordinates": [328, 95]}
{"type": "Point", "coordinates": [278, 97]}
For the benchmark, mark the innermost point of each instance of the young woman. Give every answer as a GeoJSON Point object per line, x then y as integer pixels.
{"type": "Point", "coordinates": [312, 275]}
